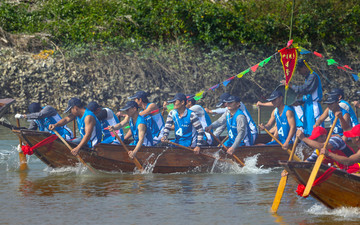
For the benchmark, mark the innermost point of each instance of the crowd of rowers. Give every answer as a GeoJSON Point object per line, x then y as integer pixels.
{"type": "Point", "coordinates": [192, 124]}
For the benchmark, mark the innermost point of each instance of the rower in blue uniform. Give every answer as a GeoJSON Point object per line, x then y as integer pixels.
{"type": "Point", "coordinates": [41, 117]}
{"type": "Point", "coordinates": [201, 114]}
{"type": "Point", "coordinates": [152, 115]}
{"type": "Point", "coordinates": [89, 126]}
{"type": "Point", "coordinates": [139, 129]}
{"type": "Point", "coordinates": [283, 115]}
{"type": "Point", "coordinates": [332, 111]}
{"type": "Point", "coordinates": [188, 129]}
{"type": "Point", "coordinates": [107, 118]}
{"type": "Point", "coordinates": [345, 105]}
{"type": "Point", "coordinates": [237, 126]}
{"type": "Point", "coordinates": [312, 95]}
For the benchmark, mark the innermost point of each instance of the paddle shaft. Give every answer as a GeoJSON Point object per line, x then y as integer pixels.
{"type": "Point", "coordinates": [259, 117]}
{"type": "Point", "coordinates": [282, 183]}
{"type": "Point", "coordinates": [277, 140]}
{"type": "Point", "coordinates": [136, 162]}
{"type": "Point", "coordinates": [233, 155]}
{"type": "Point", "coordinates": [190, 149]}
{"type": "Point", "coordinates": [318, 163]}
{"type": "Point", "coordinates": [223, 141]}
{"type": "Point", "coordinates": [22, 156]}
{"type": "Point", "coordinates": [69, 147]}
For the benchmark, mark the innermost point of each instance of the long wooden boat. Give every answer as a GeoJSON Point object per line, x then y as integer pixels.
{"type": "Point", "coordinates": [341, 189]}
{"type": "Point", "coordinates": [109, 157]}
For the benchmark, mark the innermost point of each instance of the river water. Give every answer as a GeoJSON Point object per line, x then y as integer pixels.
{"type": "Point", "coordinates": [43, 195]}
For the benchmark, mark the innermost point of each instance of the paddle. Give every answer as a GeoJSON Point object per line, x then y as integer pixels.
{"type": "Point", "coordinates": [190, 149]}
{"type": "Point", "coordinates": [223, 141]}
{"type": "Point", "coordinates": [282, 183]}
{"type": "Point", "coordinates": [288, 151]}
{"type": "Point", "coordinates": [318, 163]}
{"type": "Point", "coordinates": [69, 147]}
{"type": "Point", "coordinates": [22, 156]}
{"type": "Point", "coordinates": [259, 117]}
{"type": "Point", "coordinates": [235, 157]}
{"type": "Point", "coordinates": [136, 162]}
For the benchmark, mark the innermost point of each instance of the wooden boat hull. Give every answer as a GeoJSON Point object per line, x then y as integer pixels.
{"type": "Point", "coordinates": [341, 189]}
{"type": "Point", "coordinates": [159, 159]}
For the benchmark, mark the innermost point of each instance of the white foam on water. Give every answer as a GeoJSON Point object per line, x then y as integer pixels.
{"type": "Point", "coordinates": [342, 213]}
{"type": "Point", "coordinates": [235, 168]}
{"type": "Point", "coordinates": [79, 169]}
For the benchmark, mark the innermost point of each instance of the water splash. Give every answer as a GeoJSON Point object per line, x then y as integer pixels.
{"type": "Point", "coordinates": [347, 213]}
{"type": "Point", "coordinates": [78, 170]}
{"type": "Point", "coordinates": [151, 161]}
{"type": "Point", "coordinates": [303, 150]}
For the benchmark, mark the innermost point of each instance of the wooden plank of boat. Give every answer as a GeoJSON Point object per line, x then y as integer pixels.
{"type": "Point", "coordinates": [164, 159]}
{"type": "Point", "coordinates": [341, 189]}
{"type": "Point", "coordinates": [5, 104]}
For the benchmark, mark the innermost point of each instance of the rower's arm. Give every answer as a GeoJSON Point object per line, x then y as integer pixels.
{"type": "Point", "coordinates": [149, 109]}
{"type": "Point", "coordinates": [292, 124]}
{"type": "Point", "coordinates": [271, 121]}
{"type": "Point", "coordinates": [219, 122]}
{"type": "Point", "coordinates": [241, 130]}
{"type": "Point", "coordinates": [62, 122]}
{"type": "Point", "coordinates": [345, 122]}
{"type": "Point", "coordinates": [45, 112]}
{"type": "Point", "coordinates": [322, 117]}
{"type": "Point", "coordinates": [355, 158]}
{"type": "Point", "coordinates": [122, 123]}
{"type": "Point", "coordinates": [168, 124]}
{"type": "Point", "coordinates": [128, 135]}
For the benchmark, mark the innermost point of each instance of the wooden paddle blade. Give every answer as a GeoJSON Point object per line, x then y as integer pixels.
{"type": "Point", "coordinates": [279, 194]}
{"type": "Point", "coordinates": [22, 156]}
{"type": "Point", "coordinates": [313, 175]}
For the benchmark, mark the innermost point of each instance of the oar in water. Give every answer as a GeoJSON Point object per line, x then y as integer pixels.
{"type": "Point", "coordinates": [22, 156]}
{"type": "Point", "coordinates": [318, 163]}
{"type": "Point", "coordinates": [136, 162]}
{"type": "Point", "coordinates": [277, 140]}
{"type": "Point", "coordinates": [69, 147]}
{"type": "Point", "coordinates": [233, 155]}
{"type": "Point", "coordinates": [282, 183]}
{"type": "Point", "coordinates": [204, 154]}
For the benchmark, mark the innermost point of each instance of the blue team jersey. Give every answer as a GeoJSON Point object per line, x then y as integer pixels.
{"type": "Point", "coordinates": [282, 123]}
{"type": "Point", "coordinates": [185, 133]}
{"type": "Point", "coordinates": [337, 129]}
{"type": "Point", "coordinates": [96, 134]}
{"type": "Point", "coordinates": [231, 125]}
{"type": "Point", "coordinates": [148, 141]}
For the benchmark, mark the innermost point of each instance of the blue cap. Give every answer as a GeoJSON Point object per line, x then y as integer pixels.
{"type": "Point", "coordinates": [34, 107]}
{"type": "Point", "coordinates": [223, 97]}
{"type": "Point", "coordinates": [300, 63]}
{"type": "Point", "coordinates": [129, 104]}
{"type": "Point", "coordinates": [178, 96]}
{"type": "Point", "coordinates": [336, 91]}
{"type": "Point", "coordinates": [232, 98]}
{"type": "Point", "coordinates": [93, 106]}
{"type": "Point", "coordinates": [138, 95]}
{"type": "Point", "coordinates": [274, 95]}
{"type": "Point", "coordinates": [332, 98]}
{"type": "Point", "coordinates": [73, 102]}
